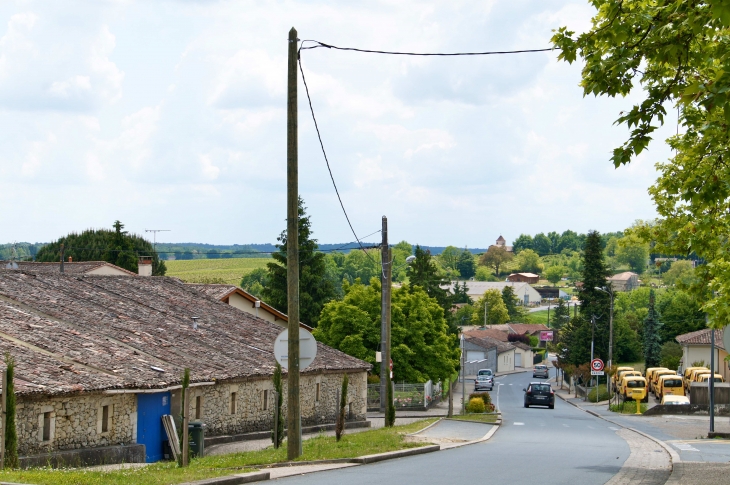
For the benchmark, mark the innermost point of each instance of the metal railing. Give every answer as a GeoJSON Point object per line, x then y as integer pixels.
{"type": "Point", "coordinates": [406, 396]}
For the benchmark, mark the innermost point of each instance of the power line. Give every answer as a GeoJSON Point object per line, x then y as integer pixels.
{"type": "Point", "coordinates": [329, 169]}
{"type": "Point", "coordinates": [236, 253]}
{"type": "Point", "coordinates": [423, 54]}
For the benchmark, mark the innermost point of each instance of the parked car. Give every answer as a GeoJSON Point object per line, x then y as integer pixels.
{"type": "Point", "coordinates": [616, 380]}
{"type": "Point", "coordinates": [670, 399]}
{"type": "Point", "coordinates": [669, 385]}
{"type": "Point", "coordinates": [539, 393]}
{"type": "Point", "coordinates": [654, 383]}
{"type": "Point", "coordinates": [706, 377]}
{"type": "Point", "coordinates": [483, 382]}
{"type": "Point", "coordinates": [686, 377]}
{"type": "Point", "coordinates": [540, 370]}
{"type": "Point", "coordinates": [634, 388]}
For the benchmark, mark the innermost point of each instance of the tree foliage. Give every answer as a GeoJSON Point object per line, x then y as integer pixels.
{"type": "Point", "coordinates": [495, 257]}
{"type": "Point", "coordinates": [315, 290]}
{"type": "Point", "coordinates": [528, 261]}
{"type": "Point", "coordinates": [423, 273]}
{"type": "Point", "coordinates": [554, 274]}
{"type": "Point", "coordinates": [561, 315]}
{"type": "Point", "coordinates": [254, 282]}
{"type": "Point", "coordinates": [466, 265]}
{"type": "Point", "coordinates": [681, 273]}
{"type": "Point", "coordinates": [515, 312]}
{"type": "Point", "coordinates": [676, 52]}
{"type": "Point", "coordinates": [115, 246]}
{"type": "Point", "coordinates": [421, 346]}
{"type": "Point", "coordinates": [652, 340]}
{"type": "Point", "coordinates": [496, 310]}
{"type": "Point", "coordinates": [633, 251]}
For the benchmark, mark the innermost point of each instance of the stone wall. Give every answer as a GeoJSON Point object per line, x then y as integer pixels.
{"type": "Point", "coordinates": [250, 413]}
{"type": "Point", "coordinates": [75, 422]}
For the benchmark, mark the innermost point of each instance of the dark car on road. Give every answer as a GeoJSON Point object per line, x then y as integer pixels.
{"type": "Point", "coordinates": [540, 370]}
{"type": "Point", "coordinates": [483, 382]}
{"type": "Point", "coordinates": [540, 394]}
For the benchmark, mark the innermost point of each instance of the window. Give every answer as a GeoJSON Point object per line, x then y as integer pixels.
{"type": "Point", "coordinates": [104, 419]}
{"type": "Point", "coordinates": [316, 392]}
{"type": "Point", "coordinates": [233, 403]}
{"type": "Point", "coordinates": [266, 399]}
{"type": "Point", "coordinates": [198, 407]}
{"type": "Point", "coordinates": [46, 426]}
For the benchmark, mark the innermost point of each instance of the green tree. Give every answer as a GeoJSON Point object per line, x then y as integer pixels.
{"type": "Point", "coordinates": [681, 273]}
{"type": "Point", "coordinates": [115, 246]}
{"type": "Point", "coordinates": [421, 346]}
{"type": "Point", "coordinates": [522, 242]}
{"type": "Point", "coordinates": [554, 274]}
{"type": "Point", "coordinates": [495, 257]}
{"type": "Point", "coordinates": [466, 265]}
{"type": "Point", "coordinates": [561, 315]}
{"type": "Point", "coordinates": [496, 310]}
{"type": "Point", "coordinates": [681, 313]}
{"type": "Point", "coordinates": [315, 289]}
{"type": "Point", "coordinates": [423, 272]}
{"type": "Point", "coordinates": [449, 257]}
{"type": "Point", "coordinates": [484, 274]}
{"type": "Point", "coordinates": [528, 261]}
{"type": "Point", "coordinates": [652, 342]}
{"type": "Point", "coordinates": [463, 315]}
{"type": "Point", "coordinates": [674, 51]}
{"type": "Point", "coordinates": [671, 354]}
{"type": "Point", "coordinates": [542, 244]}
{"type": "Point", "coordinates": [460, 293]}
{"type": "Point", "coordinates": [514, 310]}
{"type": "Point", "coordinates": [254, 281]}
{"type": "Point", "coordinates": [633, 251]}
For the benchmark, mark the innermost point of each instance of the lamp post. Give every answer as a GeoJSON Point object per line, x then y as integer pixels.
{"type": "Point", "coordinates": [609, 291]}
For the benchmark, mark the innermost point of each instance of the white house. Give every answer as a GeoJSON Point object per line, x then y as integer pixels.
{"type": "Point", "coordinates": [526, 294]}
{"type": "Point", "coordinates": [696, 348]}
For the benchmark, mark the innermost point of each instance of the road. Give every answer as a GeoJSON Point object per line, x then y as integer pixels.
{"type": "Point", "coordinates": [559, 446]}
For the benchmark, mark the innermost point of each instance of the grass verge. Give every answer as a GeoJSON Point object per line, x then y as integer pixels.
{"type": "Point", "coordinates": [317, 448]}
{"type": "Point", "coordinates": [483, 418]}
{"type": "Point", "coordinates": [628, 407]}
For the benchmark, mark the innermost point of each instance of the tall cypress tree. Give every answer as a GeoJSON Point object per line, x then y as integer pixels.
{"type": "Point", "coordinates": [424, 273]}
{"type": "Point", "coordinates": [315, 289]}
{"type": "Point", "coordinates": [652, 342]}
{"type": "Point", "coordinates": [594, 304]}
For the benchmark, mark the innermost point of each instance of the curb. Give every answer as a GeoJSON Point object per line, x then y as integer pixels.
{"type": "Point", "coordinates": [496, 423]}
{"type": "Point", "coordinates": [390, 455]}
{"type": "Point", "coordinates": [232, 479]}
{"type": "Point", "coordinates": [427, 427]}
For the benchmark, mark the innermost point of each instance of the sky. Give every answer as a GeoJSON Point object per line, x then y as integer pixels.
{"type": "Point", "coordinates": [172, 115]}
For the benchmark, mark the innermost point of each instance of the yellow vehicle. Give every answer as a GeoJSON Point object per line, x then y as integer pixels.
{"type": "Point", "coordinates": [693, 376]}
{"type": "Point", "coordinates": [634, 388]}
{"type": "Point", "coordinates": [618, 375]}
{"type": "Point", "coordinates": [686, 375]}
{"type": "Point", "coordinates": [655, 378]}
{"type": "Point", "coordinates": [669, 385]}
{"type": "Point", "coordinates": [706, 377]}
{"type": "Point", "coordinates": [650, 372]}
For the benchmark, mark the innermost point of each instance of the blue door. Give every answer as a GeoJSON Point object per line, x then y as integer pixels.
{"type": "Point", "coordinates": [150, 431]}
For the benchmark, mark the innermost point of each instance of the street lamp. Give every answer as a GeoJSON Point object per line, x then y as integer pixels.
{"type": "Point", "coordinates": [609, 291]}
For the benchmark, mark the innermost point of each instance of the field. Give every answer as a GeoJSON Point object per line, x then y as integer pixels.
{"type": "Point", "coordinates": [229, 271]}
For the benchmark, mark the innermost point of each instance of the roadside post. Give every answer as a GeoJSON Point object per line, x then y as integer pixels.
{"type": "Point", "coordinates": [597, 370]}
{"type": "Point", "coordinates": [463, 376]}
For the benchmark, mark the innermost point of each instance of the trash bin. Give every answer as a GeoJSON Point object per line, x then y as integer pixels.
{"type": "Point", "coordinates": [197, 438]}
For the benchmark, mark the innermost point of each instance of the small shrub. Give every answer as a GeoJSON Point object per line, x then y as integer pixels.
{"type": "Point", "coordinates": [602, 393]}
{"type": "Point", "coordinates": [486, 399]}
{"type": "Point", "coordinates": [373, 379]}
{"type": "Point", "coordinates": [476, 405]}
{"type": "Point", "coordinates": [698, 363]}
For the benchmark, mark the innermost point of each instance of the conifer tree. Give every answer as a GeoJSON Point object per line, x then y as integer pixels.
{"type": "Point", "coordinates": [652, 342]}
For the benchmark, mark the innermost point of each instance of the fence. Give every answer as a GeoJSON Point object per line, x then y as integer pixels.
{"type": "Point", "coordinates": [406, 396]}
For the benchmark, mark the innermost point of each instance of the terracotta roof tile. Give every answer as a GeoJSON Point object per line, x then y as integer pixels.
{"type": "Point", "coordinates": [76, 267]}
{"type": "Point", "coordinates": [701, 337]}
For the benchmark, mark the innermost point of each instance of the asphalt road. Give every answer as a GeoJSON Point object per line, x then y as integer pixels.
{"type": "Point", "coordinates": [558, 446]}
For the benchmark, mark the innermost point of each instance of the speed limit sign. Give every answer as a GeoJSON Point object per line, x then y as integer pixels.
{"type": "Point", "coordinates": [597, 365]}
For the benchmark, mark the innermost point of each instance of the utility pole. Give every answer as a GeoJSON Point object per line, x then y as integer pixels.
{"type": "Point", "coordinates": [486, 311]}
{"type": "Point", "coordinates": [154, 236]}
{"type": "Point", "coordinates": [294, 436]}
{"type": "Point", "coordinates": [62, 258]}
{"type": "Point", "coordinates": [712, 377]}
{"type": "Point", "coordinates": [384, 333]}
{"type": "Point", "coordinates": [593, 334]}
{"type": "Point", "coordinates": [463, 374]}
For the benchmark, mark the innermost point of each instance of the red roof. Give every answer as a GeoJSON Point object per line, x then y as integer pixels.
{"type": "Point", "coordinates": [495, 334]}
{"type": "Point", "coordinates": [701, 337]}
{"type": "Point", "coordinates": [530, 328]}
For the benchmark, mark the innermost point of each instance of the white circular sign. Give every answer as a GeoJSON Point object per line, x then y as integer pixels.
{"type": "Point", "coordinates": [307, 349]}
{"type": "Point", "coordinates": [597, 365]}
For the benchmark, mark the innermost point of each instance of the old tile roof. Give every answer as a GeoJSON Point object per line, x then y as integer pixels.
{"type": "Point", "coordinates": [626, 275]}
{"type": "Point", "coordinates": [522, 346]}
{"type": "Point", "coordinates": [74, 333]}
{"type": "Point", "coordinates": [492, 333]}
{"type": "Point", "coordinates": [488, 343]}
{"type": "Point", "coordinates": [76, 267]}
{"type": "Point", "coordinates": [701, 337]}
{"type": "Point", "coordinates": [219, 292]}
{"type": "Point", "coordinates": [530, 328]}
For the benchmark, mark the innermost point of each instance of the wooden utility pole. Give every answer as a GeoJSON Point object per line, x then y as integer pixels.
{"type": "Point", "coordinates": [384, 314]}
{"type": "Point", "coordinates": [3, 426]}
{"type": "Point", "coordinates": [185, 421]}
{"type": "Point", "coordinates": [294, 437]}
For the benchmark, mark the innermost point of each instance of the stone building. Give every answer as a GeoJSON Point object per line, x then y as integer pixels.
{"type": "Point", "coordinates": [99, 360]}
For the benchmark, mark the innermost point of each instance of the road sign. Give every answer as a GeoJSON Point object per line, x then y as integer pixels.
{"type": "Point", "coordinates": [596, 365]}
{"type": "Point", "coordinates": [597, 373]}
{"type": "Point", "coordinates": [307, 349]}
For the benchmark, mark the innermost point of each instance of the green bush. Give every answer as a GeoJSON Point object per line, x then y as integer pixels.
{"type": "Point", "coordinates": [373, 379]}
{"type": "Point", "coordinates": [486, 399]}
{"type": "Point", "coordinates": [476, 405]}
{"type": "Point", "coordinates": [602, 393]}
{"type": "Point", "coordinates": [671, 354]}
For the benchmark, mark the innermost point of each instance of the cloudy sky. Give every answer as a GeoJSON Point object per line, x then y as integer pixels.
{"type": "Point", "coordinates": [172, 115]}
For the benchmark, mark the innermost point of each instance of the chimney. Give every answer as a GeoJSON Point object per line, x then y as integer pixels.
{"type": "Point", "coordinates": [144, 266]}
{"type": "Point", "coordinates": [70, 259]}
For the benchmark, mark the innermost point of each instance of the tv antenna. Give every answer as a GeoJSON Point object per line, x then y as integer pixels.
{"type": "Point", "coordinates": [154, 236]}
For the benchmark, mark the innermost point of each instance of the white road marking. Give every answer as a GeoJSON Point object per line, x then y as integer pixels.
{"type": "Point", "coordinates": [591, 427]}
{"type": "Point", "coordinates": [519, 424]}
{"type": "Point", "coordinates": [566, 425]}
{"type": "Point", "coordinates": [510, 384]}
{"type": "Point", "coordinates": [612, 428]}
{"type": "Point", "coordinates": [685, 447]}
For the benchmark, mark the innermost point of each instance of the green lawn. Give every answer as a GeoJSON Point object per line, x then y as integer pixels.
{"type": "Point", "coordinates": [318, 448]}
{"type": "Point", "coordinates": [484, 418]}
{"type": "Point", "coordinates": [539, 316]}
{"type": "Point", "coordinates": [229, 271]}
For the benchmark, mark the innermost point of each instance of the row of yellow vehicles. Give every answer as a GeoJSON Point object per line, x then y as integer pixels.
{"type": "Point", "coordinates": [631, 385]}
